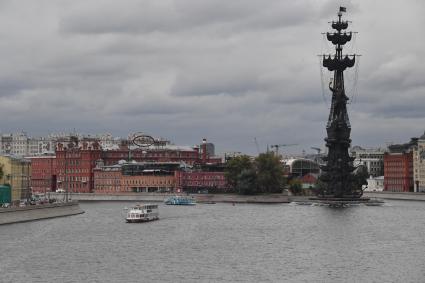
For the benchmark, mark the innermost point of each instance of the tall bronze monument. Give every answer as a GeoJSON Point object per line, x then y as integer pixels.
{"type": "Point", "coordinates": [338, 180]}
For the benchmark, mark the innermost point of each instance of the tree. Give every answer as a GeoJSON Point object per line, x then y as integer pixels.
{"type": "Point", "coordinates": [295, 186]}
{"type": "Point", "coordinates": [247, 182]}
{"type": "Point", "coordinates": [263, 175]}
{"type": "Point", "coordinates": [269, 173]}
{"type": "Point", "coordinates": [234, 168]}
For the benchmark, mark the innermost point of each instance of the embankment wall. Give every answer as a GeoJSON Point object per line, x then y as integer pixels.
{"type": "Point", "coordinates": [396, 196]}
{"type": "Point", "coordinates": [156, 197]}
{"type": "Point", "coordinates": [37, 212]}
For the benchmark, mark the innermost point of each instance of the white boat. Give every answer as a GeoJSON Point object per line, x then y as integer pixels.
{"type": "Point", "coordinates": [142, 213]}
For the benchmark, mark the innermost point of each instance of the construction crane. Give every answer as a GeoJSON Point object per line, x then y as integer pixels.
{"type": "Point", "coordinates": [317, 149]}
{"type": "Point", "coordinates": [277, 146]}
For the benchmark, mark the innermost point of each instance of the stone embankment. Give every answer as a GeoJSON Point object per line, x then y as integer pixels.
{"type": "Point", "coordinates": [269, 198]}
{"type": "Point", "coordinates": [36, 212]}
{"type": "Point", "coordinates": [157, 197]}
{"type": "Point", "coordinates": [396, 195]}
{"type": "Point", "coordinates": [377, 195]}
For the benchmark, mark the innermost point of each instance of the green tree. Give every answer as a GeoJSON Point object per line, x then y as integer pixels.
{"type": "Point", "coordinates": [269, 173]}
{"type": "Point", "coordinates": [247, 182]}
{"type": "Point", "coordinates": [295, 186]}
{"type": "Point", "coordinates": [234, 168]}
{"type": "Point", "coordinates": [263, 175]}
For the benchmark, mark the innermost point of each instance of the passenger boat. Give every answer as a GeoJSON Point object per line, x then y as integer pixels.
{"type": "Point", "coordinates": [180, 200]}
{"type": "Point", "coordinates": [142, 213]}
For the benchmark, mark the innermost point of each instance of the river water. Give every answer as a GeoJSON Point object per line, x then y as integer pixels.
{"type": "Point", "coordinates": [221, 243]}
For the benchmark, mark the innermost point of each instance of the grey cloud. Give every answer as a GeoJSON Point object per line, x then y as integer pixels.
{"type": "Point", "coordinates": [13, 86]}
{"type": "Point", "coordinates": [399, 72]}
{"type": "Point", "coordinates": [225, 70]}
{"type": "Point", "coordinates": [213, 83]}
{"type": "Point", "coordinates": [172, 16]}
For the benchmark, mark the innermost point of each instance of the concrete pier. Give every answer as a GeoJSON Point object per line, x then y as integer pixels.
{"type": "Point", "coordinates": [38, 212]}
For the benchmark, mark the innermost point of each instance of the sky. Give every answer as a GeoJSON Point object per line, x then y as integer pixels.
{"type": "Point", "coordinates": [229, 71]}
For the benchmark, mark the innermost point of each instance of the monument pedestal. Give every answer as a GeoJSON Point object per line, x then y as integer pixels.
{"type": "Point", "coordinates": [346, 201]}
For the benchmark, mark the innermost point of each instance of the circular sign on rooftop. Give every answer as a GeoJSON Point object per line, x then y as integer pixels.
{"type": "Point", "coordinates": [143, 140]}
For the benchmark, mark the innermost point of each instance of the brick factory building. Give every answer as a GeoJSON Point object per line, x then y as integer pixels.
{"type": "Point", "coordinates": [43, 173]}
{"type": "Point", "coordinates": [398, 167]}
{"type": "Point", "coordinates": [107, 179]}
{"type": "Point", "coordinates": [75, 163]}
{"type": "Point", "coordinates": [73, 166]}
{"type": "Point", "coordinates": [162, 152]}
{"type": "Point", "coordinates": [166, 154]}
{"type": "Point", "coordinates": [136, 177]}
{"type": "Point", "coordinates": [155, 177]}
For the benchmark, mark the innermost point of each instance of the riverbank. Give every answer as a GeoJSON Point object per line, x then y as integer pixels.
{"type": "Point", "coordinates": [224, 198]}
{"type": "Point", "coordinates": [37, 212]}
{"type": "Point", "coordinates": [158, 197]}
{"type": "Point", "coordinates": [396, 195]}
{"type": "Point", "coordinates": [377, 195]}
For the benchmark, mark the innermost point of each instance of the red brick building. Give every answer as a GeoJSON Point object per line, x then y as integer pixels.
{"type": "Point", "coordinates": [73, 167]}
{"type": "Point", "coordinates": [149, 181]}
{"type": "Point", "coordinates": [142, 178]}
{"type": "Point", "coordinates": [107, 179]}
{"type": "Point", "coordinates": [75, 164]}
{"type": "Point", "coordinates": [169, 153]}
{"type": "Point", "coordinates": [155, 177]}
{"type": "Point", "coordinates": [398, 172]}
{"type": "Point", "coordinates": [43, 173]}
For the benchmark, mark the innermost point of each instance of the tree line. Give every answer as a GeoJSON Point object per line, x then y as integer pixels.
{"type": "Point", "coordinates": [264, 174]}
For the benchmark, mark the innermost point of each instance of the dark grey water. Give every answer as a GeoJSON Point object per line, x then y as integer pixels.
{"type": "Point", "coordinates": [221, 243]}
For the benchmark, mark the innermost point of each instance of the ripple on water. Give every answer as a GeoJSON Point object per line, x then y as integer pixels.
{"type": "Point", "coordinates": [221, 243]}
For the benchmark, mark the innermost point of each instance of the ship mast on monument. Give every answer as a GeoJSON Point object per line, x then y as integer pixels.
{"type": "Point", "coordinates": [338, 180]}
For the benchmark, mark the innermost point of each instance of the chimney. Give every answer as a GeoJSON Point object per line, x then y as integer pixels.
{"type": "Point", "coordinates": [204, 150]}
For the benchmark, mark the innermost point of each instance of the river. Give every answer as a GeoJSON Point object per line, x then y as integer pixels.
{"type": "Point", "coordinates": [221, 243]}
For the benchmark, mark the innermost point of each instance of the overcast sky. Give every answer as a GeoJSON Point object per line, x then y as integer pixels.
{"type": "Point", "coordinates": [229, 71]}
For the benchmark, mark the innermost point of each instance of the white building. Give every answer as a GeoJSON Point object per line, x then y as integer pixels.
{"type": "Point", "coordinates": [375, 184]}
{"type": "Point", "coordinates": [5, 143]}
{"type": "Point", "coordinates": [372, 158]}
{"type": "Point", "coordinates": [419, 165]}
{"type": "Point", "coordinates": [20, 144]}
